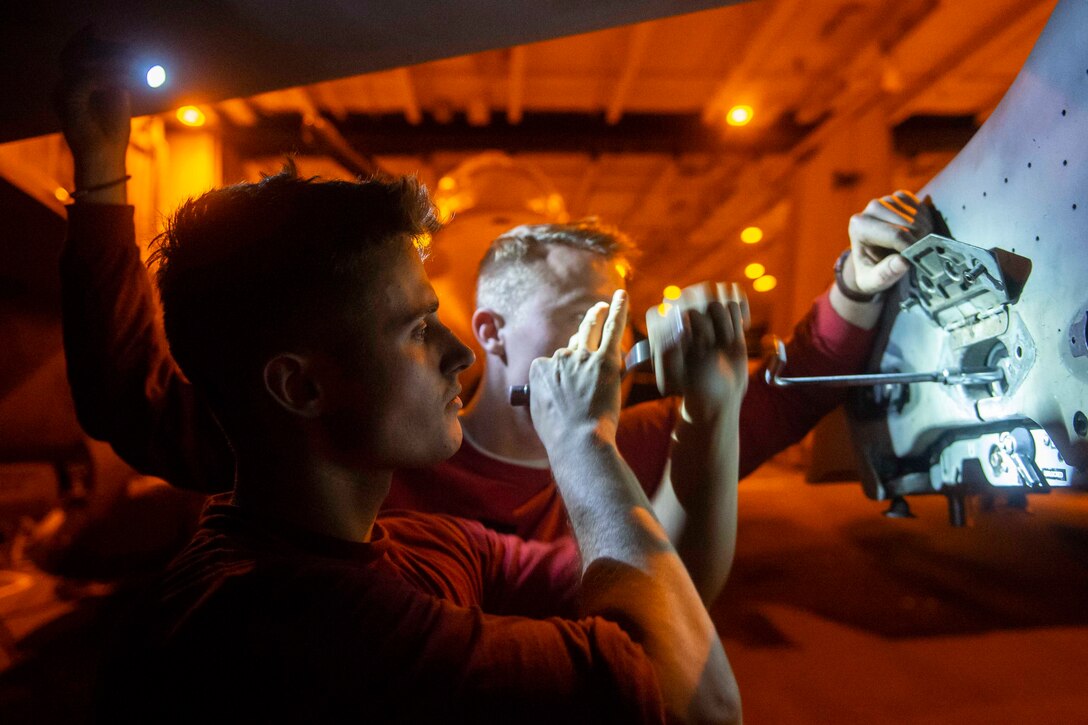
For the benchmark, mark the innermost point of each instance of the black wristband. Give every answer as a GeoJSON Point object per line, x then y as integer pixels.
{"type": "Point", "coordinates": [848, 293]}
{"type": "Point", "coordinates": [77, 193]}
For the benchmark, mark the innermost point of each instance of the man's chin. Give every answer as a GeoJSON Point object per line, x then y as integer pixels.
{"type": "Point", "coordinates": [455, 437]}
{"type": "Point", "coordinates": [449, 446]}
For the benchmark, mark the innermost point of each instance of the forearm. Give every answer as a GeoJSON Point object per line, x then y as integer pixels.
{"type": "Point", "coordinates": [702, 518]}
{"type": "Point", "coordinates": [126, 387]}
{"type": "Point", "coordinates": [632, 574]}
{"type": "Point", "coordinates": [98, 170]}
{"type": "Point", "coordinates": [108, 315]}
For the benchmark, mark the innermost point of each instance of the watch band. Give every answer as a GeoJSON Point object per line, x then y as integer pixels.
{"type": "Point", "coordinates": [848, 293]}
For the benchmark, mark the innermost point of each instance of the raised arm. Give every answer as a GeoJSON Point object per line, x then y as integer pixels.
{"type": "Point", "coordinates": [886, 226]}
{"type": "Point", "coordinates": [631, 573]}
{"type": "Point", "coordinates": [835, 337]}
{"type": "Point", "coordinates": [697, 499]}
{"type": "Point", "coordinates": [127, 389]}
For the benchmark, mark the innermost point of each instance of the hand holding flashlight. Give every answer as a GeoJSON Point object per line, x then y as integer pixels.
{"type": "Point", "coordinates": [578, 388]}
{"type": "Point", "coordinates": [673, 327]}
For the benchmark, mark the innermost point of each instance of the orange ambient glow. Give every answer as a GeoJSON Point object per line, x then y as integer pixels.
{"type": "Point", "coordinates": [191, 116]}
{"type": "Point", "coordinates": [739, 116]}
{"type": "Point", "coordinates": [444, 209]}
{"type": "Point", "coordinates": [751, 235]}
{"type": "Point", "coordinates": [755, 270]}
{"type": "Point", "coordinates": [672, 292]}
{"type": "Point", "coordinates": [61, 194]}
{"type": "Point", "coordinates": [766, 283]}
{"type": "Point", "coordinates": [446, 183]}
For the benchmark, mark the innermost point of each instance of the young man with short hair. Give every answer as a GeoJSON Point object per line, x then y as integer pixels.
{"type": "Point", "coordinates": [302, 314]}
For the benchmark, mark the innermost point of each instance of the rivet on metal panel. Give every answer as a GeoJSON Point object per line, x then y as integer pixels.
{"type": "Point", "coordinates": [1080, 424]}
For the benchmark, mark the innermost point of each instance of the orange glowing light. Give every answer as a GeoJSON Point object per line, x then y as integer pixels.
{"type": "Point", "coordinates": [61, 194]}
{"type": "Point", "coordinates": [621, 270]}
{"type": "Point", "coordinates": [447, 183]}
{"type": "Point", "coordinates": [663, 309]}
{"type": "Point", "coordinates": [751, 235]}
{"type": "Point", "coordinates": [444, 210]}
{"type": "Point", "coordinates": [755, 270]}
{"type": "Point", "coordinates": [191, 116]}
{"type": "Point", "coordinates": [672, 292]}
{"type": "Point", "coordinates": [766, 283]}
{"type": "Point", "coordinates": [739, 115]}
{"type": "Point", "coordinates": [554, 204]}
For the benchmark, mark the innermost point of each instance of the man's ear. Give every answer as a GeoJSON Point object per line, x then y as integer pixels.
{"type": "Point", "coordinates": [487, 326]}
{"type": "Point", "coordinates": [290, 380]}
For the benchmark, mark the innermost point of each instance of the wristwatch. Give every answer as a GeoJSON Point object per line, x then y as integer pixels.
{"type": "Point", "coordinates": [848, 293]}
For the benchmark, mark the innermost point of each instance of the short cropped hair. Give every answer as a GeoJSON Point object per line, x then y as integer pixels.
{"type": "Point", "coordinates": [253, 269]}
{"type": "Point", "coordinates": [513, 265]}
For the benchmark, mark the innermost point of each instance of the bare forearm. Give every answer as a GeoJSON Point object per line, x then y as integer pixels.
{"type": "Point", "coordinates": [632, 574]}
{"type": "Point", "coordinates": [601, 495]}
{"type": "Point", "coordinates": [703, 473]}
{"type": "Point", "coordinates": [101, 169]}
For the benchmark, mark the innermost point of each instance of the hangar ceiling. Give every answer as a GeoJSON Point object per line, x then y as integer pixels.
{"type": "Point", "coordinates": [627, 122]}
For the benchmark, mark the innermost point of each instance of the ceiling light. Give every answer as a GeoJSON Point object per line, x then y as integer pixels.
{"type": "Point", "coordinates": [739, 115]}
{"type": "Point", "coordinates": [766, 283]}
{"type": "Point", "coordinates": [751, 235]}
{"type": "Point", "coordinates": [191, 116]}
{"type": "Point", "coordinates": [754, 270]}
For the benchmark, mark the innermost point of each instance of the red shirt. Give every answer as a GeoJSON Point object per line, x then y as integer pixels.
{"type": "Point", "coordinates": [520, 499]}
{"type": "Point", "coordinates": [436, 619]}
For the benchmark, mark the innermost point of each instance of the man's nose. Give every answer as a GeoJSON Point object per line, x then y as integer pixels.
{"type": "Point", "coordinates": [458, 356]}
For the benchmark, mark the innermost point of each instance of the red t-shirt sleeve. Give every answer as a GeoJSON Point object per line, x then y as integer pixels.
{"type": "Point", "coordinates": [771, 418]}
{"type": "Point", "coordinates": [481, 660]}
{"type": "Point", "coordinates": [127, 389]}
{"type": "Point", "coordinates": [587, 669]}
{"type": "Point", "coordinates": [528, 578]}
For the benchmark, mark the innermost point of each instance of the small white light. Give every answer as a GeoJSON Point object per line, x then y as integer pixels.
{"type": "Point", "coordinates": [156, 76]}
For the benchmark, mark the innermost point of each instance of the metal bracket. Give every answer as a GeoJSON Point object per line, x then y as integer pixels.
{"type": "Point", "coordinates": [1023, 457]}
{"type": "Point", "coordinates": [957, 284]}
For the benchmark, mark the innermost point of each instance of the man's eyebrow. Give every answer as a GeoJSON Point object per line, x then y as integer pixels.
{"type": "Point", "coordinates": [414, 313]}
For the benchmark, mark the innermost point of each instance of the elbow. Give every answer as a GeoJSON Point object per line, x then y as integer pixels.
{"type": "Point", "coordinates": [729, 712]}
{"type": "Point", "coordinates": [716, 698]}
{"type": "Point", "coordinates": [723, 708]}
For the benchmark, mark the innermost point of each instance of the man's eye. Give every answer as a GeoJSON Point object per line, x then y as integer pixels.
{"type": "Point", "coordinates": [420, 332]}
